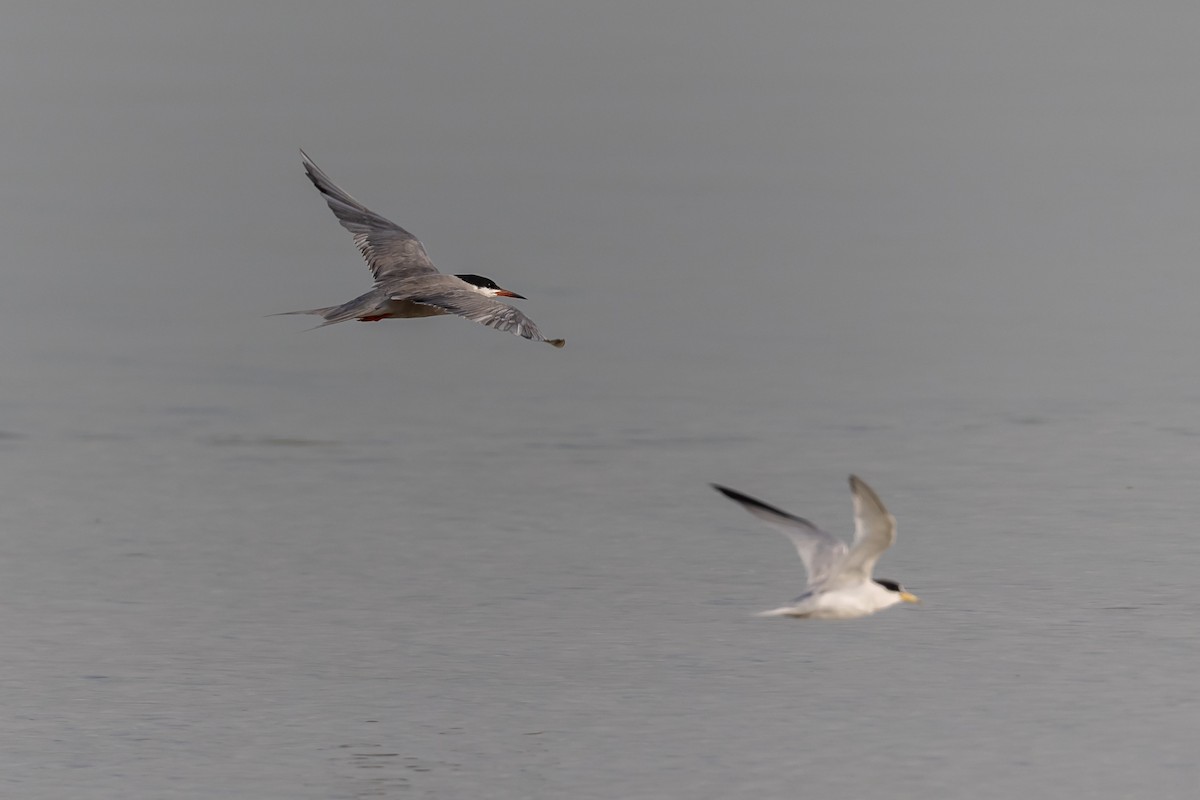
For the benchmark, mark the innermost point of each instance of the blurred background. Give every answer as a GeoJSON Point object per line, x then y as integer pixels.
{"type": "Point", "coordinates": [949, 248]}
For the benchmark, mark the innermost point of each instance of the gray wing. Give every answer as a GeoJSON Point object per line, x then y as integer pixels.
{"type": "Point", "coordinates": [821, 552]}
{"type": "Point", "coordinates": [390, 250]}
{"type": "Point", "coordinates": [484, 310]}
{"type": "Point", "coordinates": [874, 532]}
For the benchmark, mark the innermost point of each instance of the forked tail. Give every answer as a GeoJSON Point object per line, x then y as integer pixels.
{"type": "Point", "coordinates": [786, 611]}
{"type": "Point", "coordinates": [320, 312]}
{"type": "Point", "coordinates": [329, 313]}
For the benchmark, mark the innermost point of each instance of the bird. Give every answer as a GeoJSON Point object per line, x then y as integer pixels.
{"type": "Point", "coordinates": [840, 585]}
{"type": "Point", "coordinates": [407, 285]}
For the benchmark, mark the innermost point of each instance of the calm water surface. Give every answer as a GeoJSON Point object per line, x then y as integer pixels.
{"type": "Point", "coordinates": [953, 254]}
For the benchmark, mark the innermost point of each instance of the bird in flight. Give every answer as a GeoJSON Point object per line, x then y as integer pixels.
{"type": "Point", "coordinates": [407, 285]}
{"type": "Point", "coordinates": [840, 585]}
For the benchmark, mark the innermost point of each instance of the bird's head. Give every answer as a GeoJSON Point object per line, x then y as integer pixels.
{"type": "Point", "coordinates": [892, 586]}
{"type": "Point", "coordinates": [487, 287]}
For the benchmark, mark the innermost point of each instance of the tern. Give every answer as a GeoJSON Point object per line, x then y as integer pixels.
{"type": "Point", "coordinates": [840, 585]}
{"type": "Point", "coordinates": [407, 284]}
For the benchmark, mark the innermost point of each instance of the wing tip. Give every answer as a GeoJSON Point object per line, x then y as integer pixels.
{"type": "Point", "coordinates": [860, 487]}
{"type": "Point", "coordinates": [310, 166]}
{"type": "Point", "coordinates": [753, 504]}
{"type": "Point", "coordinates": [558, 343]}
{"type": "Point", "coordinates": [730, 493]}
{"type": "Point", "coordinates": [746, 500]}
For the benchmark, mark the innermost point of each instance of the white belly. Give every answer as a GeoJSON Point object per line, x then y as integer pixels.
{"type": "Point", "coordinates": [847, 603]}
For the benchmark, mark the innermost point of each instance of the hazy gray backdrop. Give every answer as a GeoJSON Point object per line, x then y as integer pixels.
{"type": "Point", "coordinates": [950, 247]}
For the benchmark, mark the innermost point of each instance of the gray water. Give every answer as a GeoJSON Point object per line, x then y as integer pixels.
{"type": "Point", "coordinates": [951, 249]}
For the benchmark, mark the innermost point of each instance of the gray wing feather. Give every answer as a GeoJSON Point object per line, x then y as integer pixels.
{"type": "Point", "coordinates": [820, 551]}
{"type": "Point", "coordinates": [390, 250]}
{"type": "Point", "coordinates": [874, 532]}
{"type": "Point", "coordinates": [484, 310]}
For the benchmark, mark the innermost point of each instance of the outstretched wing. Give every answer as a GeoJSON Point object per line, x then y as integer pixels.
{"type": "Point", "coordinates": [390, 250]}
{"type": "Point", "coordinates": [874, 532]}
{"type": "Point", "coordinates": [484, 310]}
{"type": "Point", "coordinates": [821, 552]}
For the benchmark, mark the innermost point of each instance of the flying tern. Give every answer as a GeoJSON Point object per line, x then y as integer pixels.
{"type": "Point", "coordinates": [407, 284]}
{"type": "Point", "coordinates": [840, 585]}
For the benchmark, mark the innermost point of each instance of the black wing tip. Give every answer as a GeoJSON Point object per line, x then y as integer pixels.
{"type": "Point", "coordinates": [735, 495]}
{"type": "Point", "coordinates": [559, 343]}
{"type": "Point", "coordinates": [754, 502]}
